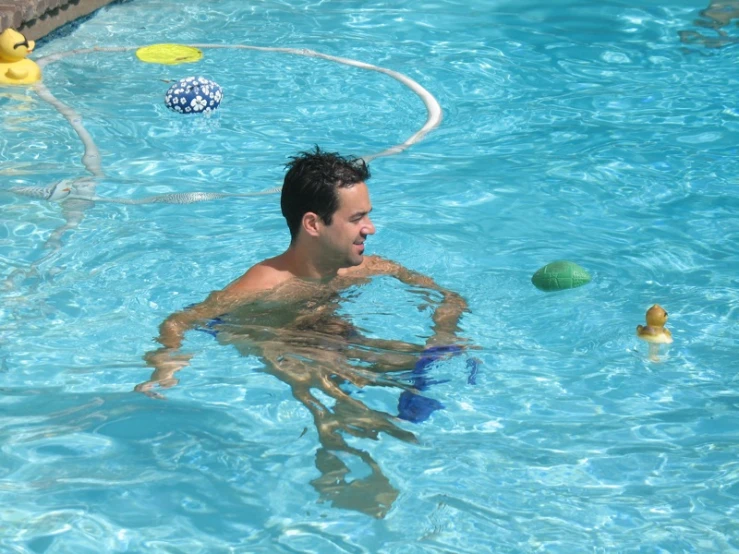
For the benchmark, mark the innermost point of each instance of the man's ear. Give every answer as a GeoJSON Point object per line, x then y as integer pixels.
{"type": "Point", "coordinates": [311, 223]}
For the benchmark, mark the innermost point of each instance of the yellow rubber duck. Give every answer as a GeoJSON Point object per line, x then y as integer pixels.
{"type": "Point", "coordinates": [654, 331]}
{"type": "Point", "coordinates": [15, 69]}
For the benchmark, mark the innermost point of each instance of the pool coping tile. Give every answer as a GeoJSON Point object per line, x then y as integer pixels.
{"type": "Point", "coordinates": [37, 18]}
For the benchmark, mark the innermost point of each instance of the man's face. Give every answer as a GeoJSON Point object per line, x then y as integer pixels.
{"type": "Point", "coordinates": [343, 240]}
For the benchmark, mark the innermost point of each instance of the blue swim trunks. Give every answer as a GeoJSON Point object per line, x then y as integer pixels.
{"type": "Point", "coordinates": [416, 408]}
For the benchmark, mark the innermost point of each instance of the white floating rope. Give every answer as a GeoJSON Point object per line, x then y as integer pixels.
{"type": "Point", "coordinates": [83, 189]}
{"type": "Point", "coordinates": [92, 159]}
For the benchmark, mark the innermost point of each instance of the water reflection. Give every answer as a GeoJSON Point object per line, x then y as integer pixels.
{"type": "Point", "coordinates": [325, 359]}
{"type": "Point", "coordinates": [718, 15]}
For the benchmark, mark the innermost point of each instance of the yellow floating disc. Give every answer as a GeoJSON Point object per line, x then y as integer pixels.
{"type": "Point", "coordinates": [168, 54]}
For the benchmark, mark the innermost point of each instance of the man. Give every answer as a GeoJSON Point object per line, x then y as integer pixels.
{"type": "Point", "coordinates": [285, 309]}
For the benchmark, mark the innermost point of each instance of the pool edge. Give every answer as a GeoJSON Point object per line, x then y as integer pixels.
{"type": "Point", "coordinates": [37, 18]}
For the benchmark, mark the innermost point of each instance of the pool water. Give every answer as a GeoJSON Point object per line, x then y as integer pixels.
{"type": "Point", "coordinates": [604, 134]}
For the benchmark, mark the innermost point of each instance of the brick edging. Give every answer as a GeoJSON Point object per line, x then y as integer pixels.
{"type": "Point", "coordinates": [37, 18]}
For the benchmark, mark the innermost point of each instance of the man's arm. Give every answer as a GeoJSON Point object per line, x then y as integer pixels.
{"type": "Point", "coordinates": [167, 360]}
{"type": "Point", "coordinates": [447, 314]}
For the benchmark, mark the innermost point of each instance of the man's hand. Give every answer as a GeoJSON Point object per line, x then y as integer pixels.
{"type": "Point", "coordinates": [448, 312]}
{"type": "Point", "coordinates": [166, 362]}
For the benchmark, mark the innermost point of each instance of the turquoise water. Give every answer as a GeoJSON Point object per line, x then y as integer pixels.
{"type": "Point", "coordinates": [587, 133]}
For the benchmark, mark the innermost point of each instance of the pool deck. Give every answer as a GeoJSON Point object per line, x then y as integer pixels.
{"type": "Point", "coordinates": [37, 18]}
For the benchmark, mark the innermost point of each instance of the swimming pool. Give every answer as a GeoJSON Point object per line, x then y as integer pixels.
{"type": "Point", "coordinates": [587, 133]}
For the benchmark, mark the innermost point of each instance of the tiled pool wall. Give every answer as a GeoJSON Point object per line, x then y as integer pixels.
{"type": "Point", "coordinates": [37, 18]}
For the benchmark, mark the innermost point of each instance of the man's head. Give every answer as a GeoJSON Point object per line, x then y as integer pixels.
{"type": "Point", "coordinates": [312, 182]}
{"type": "Point", "coordinates": [326, 204]}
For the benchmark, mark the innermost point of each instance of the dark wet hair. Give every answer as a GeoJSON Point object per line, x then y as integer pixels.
{"type": "Point", "coordinates": [311, 184]}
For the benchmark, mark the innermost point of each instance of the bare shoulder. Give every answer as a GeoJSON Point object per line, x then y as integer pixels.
{"type": "Point", "coordinates": [261, 277]}
{"type": "Point", "coordinates": [372, 265]}
{"type": "Point", "coordinates": [376, 265]}
{"type": "Point", "coordinates": [381, 265]}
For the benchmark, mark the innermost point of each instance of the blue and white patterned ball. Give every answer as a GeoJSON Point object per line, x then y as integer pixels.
{"type": "Point", "coordinates": [193, 95]}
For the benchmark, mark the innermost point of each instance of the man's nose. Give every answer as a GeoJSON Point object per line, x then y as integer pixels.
{"type": "Point", "coordinates": [369, 229]}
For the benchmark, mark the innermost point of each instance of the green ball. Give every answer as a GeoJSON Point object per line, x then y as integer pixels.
{"type": "Point", "coordinates": [560, 275]}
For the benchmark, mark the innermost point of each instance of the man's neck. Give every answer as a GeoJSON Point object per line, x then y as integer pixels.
{"type": "Point", "coordinates": [304, 265]}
